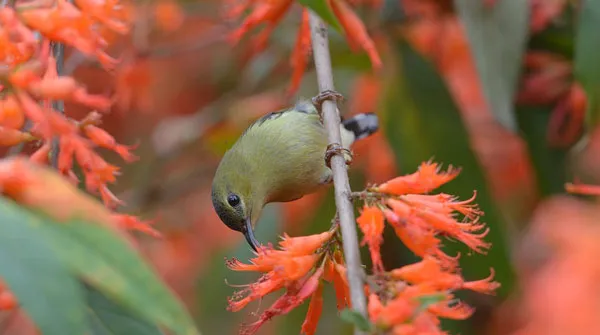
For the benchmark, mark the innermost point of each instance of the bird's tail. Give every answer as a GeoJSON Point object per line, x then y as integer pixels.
{"type": "Point", "coordinates": [362, 125]}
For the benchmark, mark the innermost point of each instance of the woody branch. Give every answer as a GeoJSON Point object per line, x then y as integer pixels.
{"type": "Point", "coordinates": [345, 210]}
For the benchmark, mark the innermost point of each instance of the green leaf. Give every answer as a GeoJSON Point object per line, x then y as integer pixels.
{"type": "Point", "coordinates": [108, 318]}
{"type": "Point", "coordinates": [106, 262]}
{"type": "Point", "coordinates": [357, 319]}
{"type": "Point", "coordinates": [587, 54]}
{"type": "Point", "coordinates": [321, 8]}
{"type": "Point", "coordinates": [550, 164]}
{"type": "Point", "coordinates": [50, 295]}
{"type": "Point", "coordinates": [498, 38]}
{"type": "Point", "coordinates": [422, 121]}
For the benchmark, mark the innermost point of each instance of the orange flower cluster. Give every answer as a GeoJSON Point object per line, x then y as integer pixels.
{"type": "Point", "coordinates": [419, 220]}
{"type": "Point", "coordinates": [272, 12]}
{"type": "Point", "coordinates": [30, 83]}
{"type": "Point", "coordinates": [408, 300]}
{"type": "Point", "coordinates": [75, 24]}
{"type": "Point", "coordinates": [300, 266]}
{"type": "Point", "coordinates": [417, 295]}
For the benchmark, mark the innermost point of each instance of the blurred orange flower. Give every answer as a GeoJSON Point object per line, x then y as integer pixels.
{"type": "Point", "coordinates": [272, 12]}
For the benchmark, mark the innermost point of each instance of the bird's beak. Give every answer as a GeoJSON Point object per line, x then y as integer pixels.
{"type": "Point", "coordinates": [249, 234]}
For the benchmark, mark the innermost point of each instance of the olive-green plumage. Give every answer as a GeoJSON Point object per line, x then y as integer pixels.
{"type": "Point", "coordinates": [279, 158]}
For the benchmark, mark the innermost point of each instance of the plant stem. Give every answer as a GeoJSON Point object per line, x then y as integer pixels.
{"type": "Point", "coordinates": [345, 210]}
{"type": "Point", "coordinates": [58, 50]}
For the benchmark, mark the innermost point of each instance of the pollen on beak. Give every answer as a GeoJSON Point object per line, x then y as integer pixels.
{"type": "Point", "coordinates": [249, 234]}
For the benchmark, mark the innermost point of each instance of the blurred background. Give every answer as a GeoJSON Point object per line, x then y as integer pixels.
{"type": "Point", "coordinates": [186, 95]}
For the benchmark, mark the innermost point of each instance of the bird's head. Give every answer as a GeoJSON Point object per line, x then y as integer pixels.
{"type": "Point", "coordinates": [236, 201]}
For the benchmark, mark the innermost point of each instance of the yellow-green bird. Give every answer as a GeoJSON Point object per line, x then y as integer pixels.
{"type": "Point", "coordinates": [279, 158]}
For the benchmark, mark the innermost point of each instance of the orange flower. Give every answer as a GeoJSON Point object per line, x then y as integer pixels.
{"type": "Point", "coordinates": [66, 23]}
{"type": "Point", "coordinates": [53, 87]}
{"type": "Point", "coordinates": [131, 222]}
{"type": "Point", "coordinates": [304, 245]}
{"type": "Point", "coordinates": [291, 268]}
{"type": "Point", "coordinates": [300, 54]}
{"type": "Point", "coordinates": [9, 136]}
{"type": "Point", "coordinates": [11, 114]}
{"type": "Point", "coordinates": [309, 326]}
{"type": "Point", "coordinates": [272, 12]}
{"type": "Point", "coordinates": [40, 156]}
{"type": "Point", "coordinates": [355, 30]}
{"type": "Point", "coordinates": [582, 189]}
{"type": "Point", "coordinates": [169, 15]}
{"type": "Point", "coordinates": [427, 178]}
{"type": "Point", "coordinates": [295, 296]}
{"type": "Point", "coordinates": [371, 223]}
{"type": "Point", "coordinates": [103, 139]}
{"type": "Point", "coordinates": [435, 213]}
{"type": "Point", "coordinates": [431, 272]}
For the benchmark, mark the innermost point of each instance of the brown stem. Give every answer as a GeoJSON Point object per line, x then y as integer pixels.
{"type": "Point", "coordinates": [345, 210]}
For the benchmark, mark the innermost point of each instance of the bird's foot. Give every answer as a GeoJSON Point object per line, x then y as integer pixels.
{"type": "Point", "coordinates": [318, 100]}
{"type": "Point", "coordinates": [336, 149]}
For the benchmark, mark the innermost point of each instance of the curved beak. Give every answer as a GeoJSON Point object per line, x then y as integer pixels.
{"type": "Point", "coordinates": [249, 234]}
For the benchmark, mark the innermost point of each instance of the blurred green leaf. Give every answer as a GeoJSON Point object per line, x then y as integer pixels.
{"type": "Point", "coordinates": [587, 54]}
{"type": "Point", "coordinates": [424, 122]}
{"type": "Point", "coordinates": [108, 318]}
{"type": "Point", "coordinates": [549, 163]}
{"type": "Point", "coordinates": [498, 37]}
{"type": "Point", "coordinates": [357, 319]}
{"type": "Point", "coordinates": [321, 8]}
{"type": "Point", "coordinates": [42, 284]}
{"type": "Point", "coordinates": [113, 267]}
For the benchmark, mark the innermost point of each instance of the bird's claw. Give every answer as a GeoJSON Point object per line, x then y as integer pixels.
{"type": "Point", "coordinates": [336, 149]}
{"type": "Point", "coordinates": [318, 100]}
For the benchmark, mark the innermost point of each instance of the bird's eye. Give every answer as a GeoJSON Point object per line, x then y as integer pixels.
{"type": "Point", "coordinates": [233, 200]}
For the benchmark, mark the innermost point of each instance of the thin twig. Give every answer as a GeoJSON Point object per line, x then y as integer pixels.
{"type": "Point", "coordinates": [331, 120]}
{"type": "Point", "coordinates": [58, 50]}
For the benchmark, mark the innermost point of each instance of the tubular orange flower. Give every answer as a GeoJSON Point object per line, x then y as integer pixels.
{"type": "Point", "coordinates": [11, 114]}
{"type": "Point", "coordinates": [292, 299]}
{"type": "Point", "coordinates": [309, 326]}
{"type": "Point", "coordinates": [427, 178]}
{"type": "Point", "coordinates": [371, 223]}
{"type": "Point", "coordinates": [9, 136]}
{"type": "Point", "coordinates": [582, 189]}
{"type": "Point", "coordinates": [101, 138]}
{"type": "Point", "coordinates": [131, 222]}
{"type": "Point", "coordinates": [264, 11]}
{"type": "Point", "coordinates": [355, 30]}
{"type": "Point", "coordinates": [40, 156]}
{"type": "Point", "coordinates": [301, 52]}
{"type": "Point", "coordinates": [431, 272]}
{"type": "Point", "coordinates": [304, 245]}
{"type": "Point", "coordinates": [272, 12]}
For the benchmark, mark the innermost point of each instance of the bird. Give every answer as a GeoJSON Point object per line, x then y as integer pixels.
{"type": "Point", "coordinates": [280, 157]}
